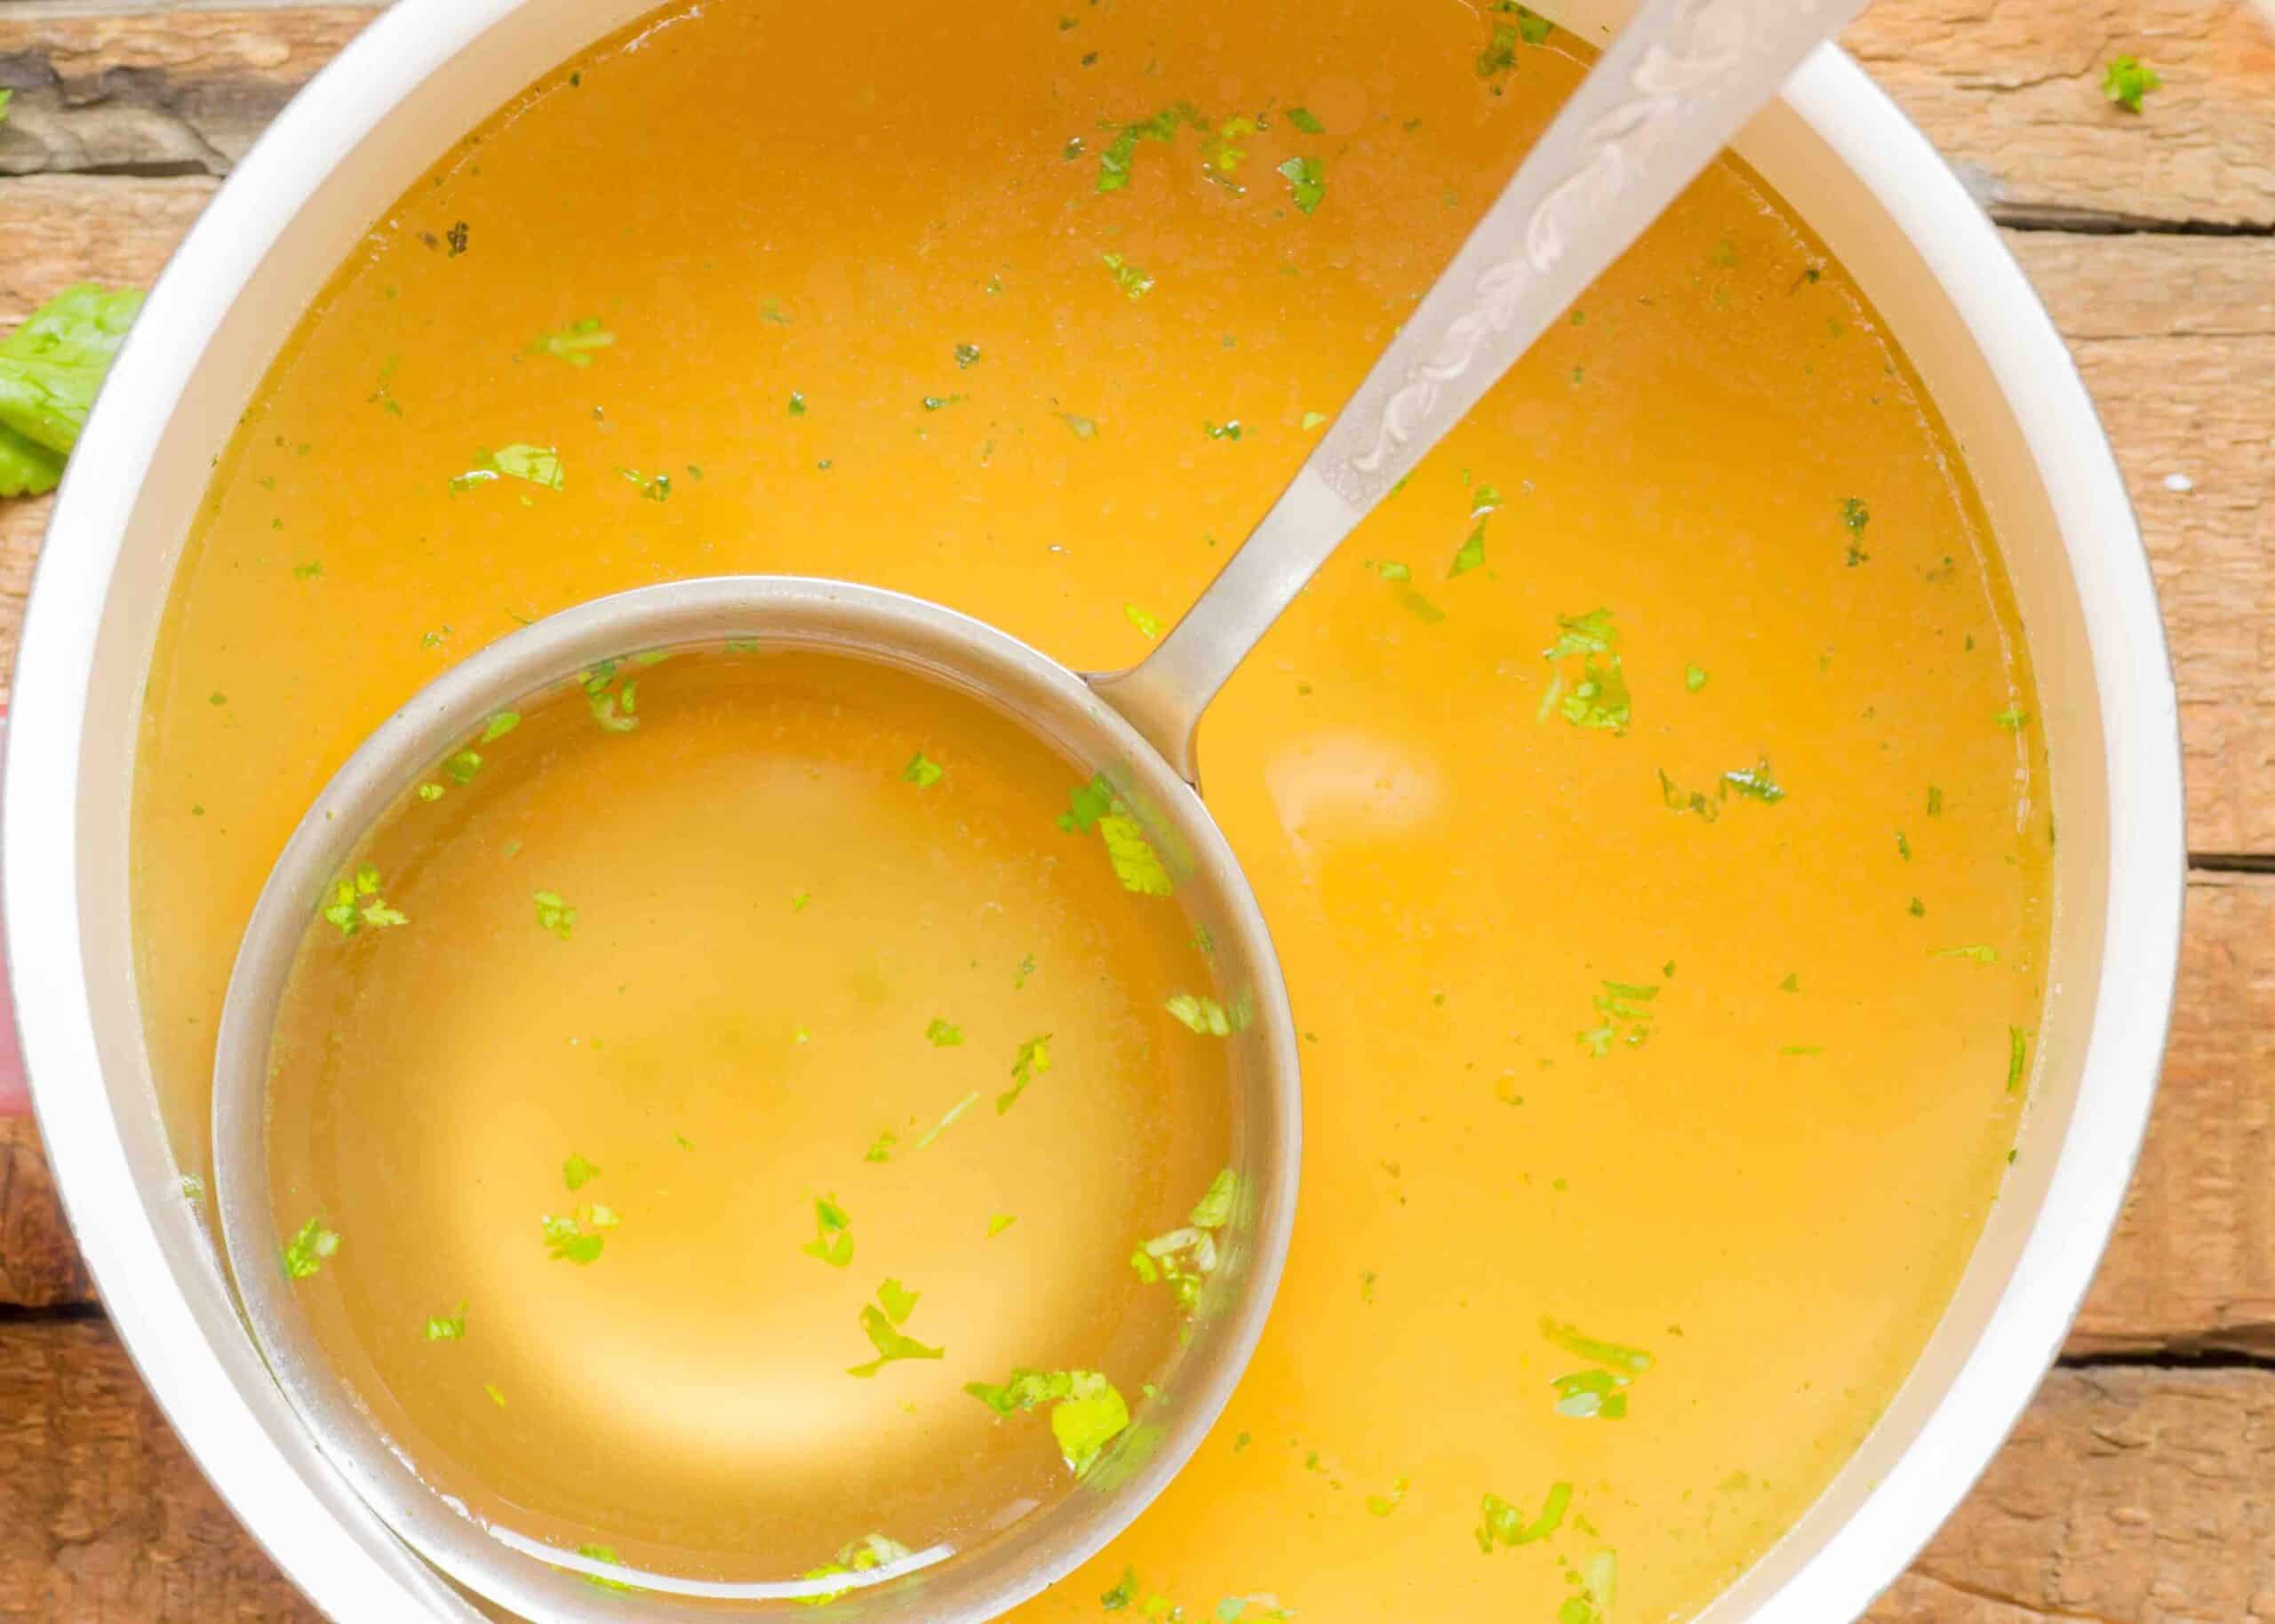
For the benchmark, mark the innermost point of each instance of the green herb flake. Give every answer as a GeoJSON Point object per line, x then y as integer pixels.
{"type": "Point", "coordinates": [2127, 80]}
{"type": "Point", "coordinates": [499, 726]}
{"type": "Point", "coordinates": [1504, 1525]}
{"type": "Point", "coordinates": [1306, 121]}
{"type": "Point", "coordinates": [554, 914]}
{"type": "Point", "coordinates": [833, 1241]}
{"type": "Point", "coordinates": [1935, 801]}
{"type": "Point", "coordinates": [310, 1246]}
{"type": "Point", "coordinates": [1230, 430]}
{"type": "Point", "coordinates": [1082, 428]}
{"type": "Point", "coordinates": [1147, 624]}
{"type": "Point", "coordinates": [568, 1240]}
{"type": "Point", "coordinates": [2014, 719]}
{"type": "Point", "coordinates": [577, 1172]}
{"type": "Point", "coordinates": [1214, 1210]}
{"type": "Point", "coordinates": [447, 1327]}
{"type": "Point", "coordinates": [1204, 1015]}
{"type": "Point", "coordinates": [1312, 419]}
{"type": "Point", "coordinates": [1087, 1414]}
{"type": "Point", "coordinates": [1383, 1505]}
{"type": "Point", "coordinates": [1033, 1060]}
{"type": "Point", "coordinates": [496, 1397]}
{"type": "Point", "coordinates": [1981, 952]}
{"type": "Point", "coordinates": [50, 368]}
{"type": "Point", "coordinates": [1131, 279]}
{"type": "Point", "coordinates": [2017, 1058]}
{"type": "Point", "coordinates": [880, 1148]}
{"type": "Point", "coordinates": [898, 1302]}
{"type": "Point", "coordinates": [1471, 554]}
{"type": "Point", "coordinates": [1135, 862]}
{"type": "Point", "coordinates": [1307, 180]}
{"type": "Point", "coordinates": [870, 1552]}
{"type": "Point", "coordinates": [603, 1553]}
{"type": "Point", "coordinates": [1116, 158]}
{"type": "Point", "coordinates": [462, 767]}
{"type": "Point", "coordinates": [1756, 783]}
{"type": "Point", "coordinates": [1694, 677]}
{"type": "Point", "coordinates": [942, 1035]}
{"type": "Point", "coordinates": [1622, 1016]}
{"type": "Point", "coordinates": [967, 355]}
{"type": "Point", "coordinates": [998, 1223]}
{"type": "Point", "coordinates": [358, 902]}
{"type": "Point", "coordinates": [946, 1120]}
{"type": "Point", "coordinates": [1596, 695]}
{"type": "Point", "coordinates": [576, 342]}
{"type": "Point", "coordinates": [431, 792]}
{"type": "Point", "coordinates": [922, 772]}
{"type": "Point", "coordinates": [538, 464]}
{"type": "Point", "coordinates": [1854, 516]}
{"type": "Point", "coordinates": [1122, 1594]}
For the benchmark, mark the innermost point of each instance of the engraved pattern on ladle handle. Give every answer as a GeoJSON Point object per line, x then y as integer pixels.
{"type": "Point", "coordinates": [1659, 104]}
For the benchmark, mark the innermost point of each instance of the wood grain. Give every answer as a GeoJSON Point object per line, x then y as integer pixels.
{"type": "Point", "coordinates": [2133, 1495]}
{"type": "Point", "coordinates": [39, 1266]}
{"type": "Point", "coordinates": [103, 1518]}
{"type": "Point", "coordinates": [2011, 93]}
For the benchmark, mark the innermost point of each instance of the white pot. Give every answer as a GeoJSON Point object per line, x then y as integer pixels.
{"type": "Point", "coordinates": [427, 71]}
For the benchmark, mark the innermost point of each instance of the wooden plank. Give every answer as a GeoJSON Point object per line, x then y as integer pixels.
{"type": "Point", "coordinates": [2129, 1494]}
{"type": "Point", "coordinates": [2192, 1266]}
{"type": "Point", "coordinates": [39, 1266]}
{"type": "Point", "coordinates": [106, 1517]}
{"type": "Point", "coordinates": [2175, 337]}
{"type": "Point", "coordinates": [2012, 94]}
{"type": "Point", "coordinates": [173, 94]}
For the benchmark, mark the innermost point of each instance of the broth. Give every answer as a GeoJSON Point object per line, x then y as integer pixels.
{"type": "Point", "coordinates": [1645, 1135]}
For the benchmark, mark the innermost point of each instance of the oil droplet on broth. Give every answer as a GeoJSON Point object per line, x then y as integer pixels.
{"type": "Point", "coordinates": [625, 1055]}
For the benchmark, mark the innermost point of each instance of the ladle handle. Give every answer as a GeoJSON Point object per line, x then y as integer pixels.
{"type": "Point", "coordinates": [1659, 104]}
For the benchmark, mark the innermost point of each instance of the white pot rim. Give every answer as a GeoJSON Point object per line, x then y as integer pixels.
{"type": "Point", "coordinates": [347, 1565]}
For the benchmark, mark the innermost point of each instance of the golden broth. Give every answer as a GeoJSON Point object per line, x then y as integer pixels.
{"type": "Point", "coordinates": [788, 219]}
{"type": "Point", "coordinates": [646, 1064]}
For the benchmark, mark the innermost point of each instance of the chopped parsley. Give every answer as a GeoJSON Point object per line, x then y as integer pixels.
{"type": "Point", "coordinates": [576, 342]}
{"type": "Point", "coordinates": [967, 355]}
{"type": "Point", "coordinates": [1187, 1256]}
{"type": "Point", "coordinates": [879, 1323]}
{"type": "Point", "coordinates": [880, 1148]}
{"type": "Point", "coordinates": [1471, 554]}
{"type": "Point", "coordinates": [1307, 180]}
{"type": "Point", "coordinates": [447, 1327]}
{"type": "Point", "coordinates": [657, 489]}
{"type": "Point", "coordinates": [577, 1172]}
{"type": "Point", "coordinates": [358, 901]}
{"type": "Point", "coordinates": [1135, 862]}
{"type": "Point", "coordinates": [499, 726]}
{"type": "Point", "coordinates": [50, 369]}
{"type": "Point", "coordinates": [554, 914]}
{"type": "Point", "coordinates": [615, 706]}
{"type": "Point", "coordinates": [1146, 623]}
{"type": "Point", "coordinates": [1383, 1505]}
{"type": "Point", "coordinates": [1572, 1339]}
{"type": "Point", "coordinates": [1086, 1411]}
{"type": "Point", "coordinates": [1854, 516]}
{"type": "Point", "coordinates": [1623, 1015]}
{"type": "Point", "coordinates": [1504, 1525]}
{"type": "Point", "coordinates": [1230, 430]}
{"type": "Point", "coordinates": [603, 1553]}
{"type": "Point", "coordinates": [1131, 279]}
{"type": "Point", "coordinates": [575, 1239]}
{"type": "Point", "coordinates": [1678, 799]}
{"type": "Point", "coordinates": [833, 1241]}
{"type": "Point", "coordinates": [310, 1246]}
{"type": "Point", "coordinates": [942, 1126]}
{"type": "Point", "coordinates": [1083, 428]}
{"type": "Point", "coordinates": [898, 1301]}
{"type": "Point", "coordinates": [1116, 158]}
{"type": "Point", "coordinates": [998, 1223]}
{"type": "Point", "coordinates": [537, 465]}
{"type": "Point", "coordinates": [1595, 696]}
{"type": "Point", "coordinates": [1694, 677]}
{"type": "Point", "coordinates": [1935, 801]}
{"type": "Point", "coordinates": [1033, 1060]}
{"type": "Point", "coordinates": [1597, 1393]}
{"type": "Point", "coordinates": [1306, 121]}
{"type": "Point", "coordinates": [462, 767]}
{"type": "Point", "coordinates": [870, 1551]}
{"type": "Point", "coordinates": [1086, 804]}
{"type": "Point", "coordinates": [922, 772]}
{"type": "Point", "coordinates": [1756, 783]}
{"type": "Point", "coordinates": [1204, 1015]}
{"type": "Point", "coordinates": [1122, 1594]}
{"type": "Point", "coordinates": [2127, 80]}
{"type": "Point", "coordinates": [1981, 952]}
{"type": "Point", "coordinates": [2013, 719]}
{"type": "Point", "coordinates": [2017, 1058]}
{"type": "Point", "coordinates": [942, 1035]}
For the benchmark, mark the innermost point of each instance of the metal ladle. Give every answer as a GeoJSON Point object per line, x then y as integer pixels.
{"type": "Point", "coordinates": [1658, 106]}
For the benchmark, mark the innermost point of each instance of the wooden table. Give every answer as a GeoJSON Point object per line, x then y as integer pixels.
{"type": "Point", "coordinates": [2140, 1489]}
